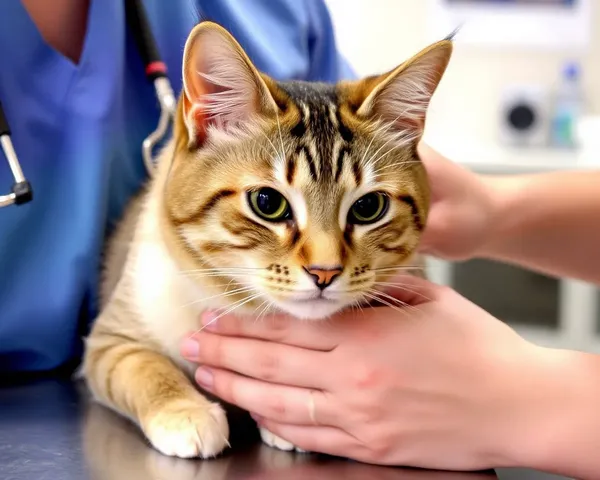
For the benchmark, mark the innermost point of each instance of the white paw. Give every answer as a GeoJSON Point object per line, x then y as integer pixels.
{"type": "Point", "coordinates": [274, 441]}
{"type": "Point", "coordinates": [187, 430]}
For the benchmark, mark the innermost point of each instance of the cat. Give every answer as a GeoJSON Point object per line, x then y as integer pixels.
{"type": "Point", "coordinates": [296, 196]}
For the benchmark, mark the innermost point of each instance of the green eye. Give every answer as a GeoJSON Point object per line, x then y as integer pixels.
{"type": "Point", "coordinates": [368, 209]}
{"type": "Point", "coordinates": [270, 205]}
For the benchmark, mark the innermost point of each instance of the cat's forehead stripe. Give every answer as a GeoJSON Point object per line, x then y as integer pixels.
{"type": "Point", "coordinates": [303, 152]}
{"type": "Point", "coordinates": [342, 154]}
{"type": "Point", "coordinates": [320, 131]}
{"type": "Point", "coordinates": [291, 169]}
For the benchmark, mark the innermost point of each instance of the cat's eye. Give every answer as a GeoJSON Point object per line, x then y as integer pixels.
{"type": "Point", "coordinates": [368, 209]}
{"type": "Point", "coordinates": [269, 204]}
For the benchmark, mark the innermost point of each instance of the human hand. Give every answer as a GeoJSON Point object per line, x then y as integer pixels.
{"type": "Point", "coordinates": [440, 384]}
{"type": "Point", "coordinates": [461, 218]}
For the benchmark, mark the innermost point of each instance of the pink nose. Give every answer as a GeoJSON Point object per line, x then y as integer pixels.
{"type": "Point", "coordinates": [324, 276]}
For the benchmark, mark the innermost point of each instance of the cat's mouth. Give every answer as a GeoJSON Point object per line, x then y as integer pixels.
{"type": "Point", "coordinates": [317, 296]}
{"type": "Point", "coordinates": [318, 299]}
{"type": "Point", "coordinates": [315, 306]}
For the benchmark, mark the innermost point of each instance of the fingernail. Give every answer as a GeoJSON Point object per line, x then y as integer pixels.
{"type": "Point", "coordinates": [204, 377]}
{"type": "Point", "coordinates": [190, 348]}
{"type": "Point", "coordinates": [209, 320]}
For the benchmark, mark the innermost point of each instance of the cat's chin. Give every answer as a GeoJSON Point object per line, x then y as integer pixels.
{"type": "Point", "coordinates": [316, 309]}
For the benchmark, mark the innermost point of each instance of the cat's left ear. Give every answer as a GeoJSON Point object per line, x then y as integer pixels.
{"type": "Point", "coordinates": [401, 97]}
{"type": "Point", "coordinates": [221, 86]}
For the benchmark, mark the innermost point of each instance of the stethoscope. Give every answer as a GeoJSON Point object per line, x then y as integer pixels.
{"type": "Point", "coordinates": [155, 71]}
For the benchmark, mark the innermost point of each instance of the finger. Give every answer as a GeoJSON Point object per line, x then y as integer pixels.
{"type": "Point", "coordinates": [271, 362]}
{"type": "Point", "coordinates": [276, 328]}
{"type": "Point", "coordinates": [280, 403]}
{"type": "Point", "coordinates": [320, 439]}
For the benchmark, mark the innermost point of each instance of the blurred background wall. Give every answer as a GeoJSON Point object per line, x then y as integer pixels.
{"type": "Point", "coordinates": [376, 35]}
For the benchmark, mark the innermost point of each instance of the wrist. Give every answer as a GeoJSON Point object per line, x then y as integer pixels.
{"type": "Point", "coordinates": [502, 221]}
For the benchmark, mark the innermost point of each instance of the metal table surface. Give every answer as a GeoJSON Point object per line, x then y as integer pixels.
{"type": "Point", "coordinates": [49, 430]}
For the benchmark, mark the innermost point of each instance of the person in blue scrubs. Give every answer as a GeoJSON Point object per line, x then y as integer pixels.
{"type": "Point", "coordinates": [79, 109]}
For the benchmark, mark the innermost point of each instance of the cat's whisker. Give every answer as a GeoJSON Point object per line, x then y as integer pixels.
{"type": "Point", "coordinates": [280, 137]}
{"type": "Point", "coordinates": [214, 272]}
{"type": "Point", "coordinates": [385, 302]}
{"type": "Point", "coordinates": [393, 299]}
{"type": "Point", "coordinates": [237, 279]}
{"type": "Point", "coordinates": [371, 297]}
{"type": "Point", "coordinates": [264, 310]}
{"type": "Point", "coordinates": [220, 274]}
{"type": "Point", "coordinates": [356, 305]}
{"type": "Point", "coordinates": [270, 142]}
{"type": "Point", "coordinates": [230, 282]}
{"type": "Point", "coordinates": [199, 270]}
{"type": "Point", "coordinates": [233, 307]}
{"type": "Point", "coordinates": [397, 267]}
{"type": "Point", "coordinates": [220, 269]}
{"type": "Point", "coordinates": [231, 274]}
{"type": "Point", "coordinates": [218, 295]}
{"type": "Point", "coordinates": [402, 143]}
{"type": "Point", "coordinates": [263, 303]}
{"type": "Point", "coordinates": [362, 160]}
{"type": "Point", "coordinates": [360, 299]}
{"type": "Point", "coordinates": [225, 285]}
{"type": "Point", "coordinates": [371, 161]}
{"type": "Point", "coordinates": [402, 287]}
{"type": "Point", "coordinates": [403, 162]}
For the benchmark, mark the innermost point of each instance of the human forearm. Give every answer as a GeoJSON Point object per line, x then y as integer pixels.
{"type": "Point", "coordinates": [559, 430]}
{"type": "Point", "coordinates": [547, 222]}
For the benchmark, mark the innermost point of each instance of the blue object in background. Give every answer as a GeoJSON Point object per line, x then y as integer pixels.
{"type": "Point", "coordinates": [568, 106]}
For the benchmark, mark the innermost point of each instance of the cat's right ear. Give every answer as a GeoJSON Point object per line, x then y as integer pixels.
{"type": "Point", "coordinates": [221, 86]}
{"type": "Point", "coordinates": [401, 97]}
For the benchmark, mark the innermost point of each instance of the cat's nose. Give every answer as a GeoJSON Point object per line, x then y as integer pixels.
{"type": "Point", "coordinates": [324, 276]}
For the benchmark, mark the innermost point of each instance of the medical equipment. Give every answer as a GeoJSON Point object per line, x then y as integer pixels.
{"type": "Point", "coordinates": [156, 72]}
{"type": "Point", "coordinates": [21, 190]}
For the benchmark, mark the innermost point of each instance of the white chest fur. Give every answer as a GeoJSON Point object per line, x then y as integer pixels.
{"type": "Point", "coordinates": [166, 302]}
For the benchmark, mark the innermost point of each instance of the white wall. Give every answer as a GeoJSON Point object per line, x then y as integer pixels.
{"type": "Point", "coordinates": [376, 35]}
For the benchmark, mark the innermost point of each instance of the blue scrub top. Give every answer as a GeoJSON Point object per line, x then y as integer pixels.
{"type": "Point", "coordinates": [78, 129]}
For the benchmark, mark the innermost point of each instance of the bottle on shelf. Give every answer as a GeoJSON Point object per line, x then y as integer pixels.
{"type": "Point", "coordinates": [568, 106]}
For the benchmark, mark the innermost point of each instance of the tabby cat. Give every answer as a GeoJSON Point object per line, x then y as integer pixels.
{"type": "Point", "coordinates": [294, 196]}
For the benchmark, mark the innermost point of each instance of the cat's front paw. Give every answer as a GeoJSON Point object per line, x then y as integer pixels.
{"type": "Point", "coordinates": [274, 441]}
{"type": "Point", "coordinates": [186, 429]}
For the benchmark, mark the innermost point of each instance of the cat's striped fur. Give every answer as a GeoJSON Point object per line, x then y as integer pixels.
{"type": "Point", "coordinates": [192, 240]}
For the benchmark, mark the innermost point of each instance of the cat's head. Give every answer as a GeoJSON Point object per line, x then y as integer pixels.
{"type": "Point", "coordinates": [300, 195]}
